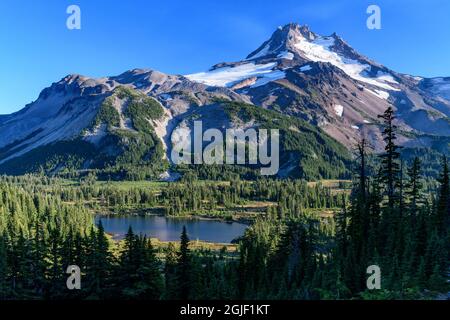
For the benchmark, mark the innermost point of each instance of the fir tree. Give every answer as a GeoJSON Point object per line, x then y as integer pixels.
{"type": "Point", "coordinates": [389, 160]}
{"type": "Point", "coordinates": [150, 280]}
{"type": "Point", "coordinates": [442, 220]}
{"type": "Point", "coordinates": [4, 284]}
{"type": "Point", "coordinates": [170, 273]}
{"type": "Point", "coordinates": [98, 267]}
{"type": "Point", "coordinates": [414, 186]}
{"type": "Point", "coordinates": [184, 266]}
{"type": "Point", "coordinates": [55, 270]}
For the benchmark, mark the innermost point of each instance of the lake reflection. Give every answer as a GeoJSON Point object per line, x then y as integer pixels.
{"type": "Point", "coordinates": [169, 229]}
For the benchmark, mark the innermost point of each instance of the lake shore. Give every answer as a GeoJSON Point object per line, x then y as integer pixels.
{"type": "Point", "coordinates": [168, 229]}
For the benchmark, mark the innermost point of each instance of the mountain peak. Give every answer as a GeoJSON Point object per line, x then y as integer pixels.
{"type": "Point", "coordinates": [283, 39]}
{"type": "Point", "coordinates": [297, 42]}
{"type": "Point", "coordinates": [294, 29]}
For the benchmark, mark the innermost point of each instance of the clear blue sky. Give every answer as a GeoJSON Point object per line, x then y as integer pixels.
{"type": "Point", "coordinates": [184, 36]}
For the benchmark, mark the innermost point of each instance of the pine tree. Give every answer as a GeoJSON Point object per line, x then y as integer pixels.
{"type": "Point", "coordinates": [170, 273]}
{"type": "Point", "coordinates": [98, 268]}
{"type": "Point", "coordinates": [442, 220]}
{"type": "Point", "coordinates": [126, 272]}
{"type": "Point", "coordinates": [391, 174]}
{"type": "Point", "coordinates": [184, 266]}
{"type": "Point", "coordinates": [25, 280]}
{"type": "Point", "coordinates": [39, 252]}
{"type": "Point", "coordinates": [150, 282]}
{"type": "Point", "coordinates": [355, 259]}
{"type": "Point", "coordinates": [362, 154]}
{"type": "Point", "coordinates": [390, 165]}
{"type": "Point", "coordinates": [4, 270]}
{"type": "Point", "coordinates": [55, 270]}
{"type": "Point", "coordinates": [414, 187]}
{"type": "Point", "coordinates": [139, 269]}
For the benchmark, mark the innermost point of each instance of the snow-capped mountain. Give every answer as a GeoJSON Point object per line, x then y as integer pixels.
{"type": "Point", "coordinates": [293, 45]}
{"type": "Point", "coordinates": [296, 73]}
{"type": "Point", "coordinates": [325, 81]}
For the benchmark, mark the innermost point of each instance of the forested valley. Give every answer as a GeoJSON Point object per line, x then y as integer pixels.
{"type": "Point", "coordinates": [310, 241]}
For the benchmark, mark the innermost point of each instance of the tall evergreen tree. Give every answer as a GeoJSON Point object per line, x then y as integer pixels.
{"type": "Point", "coordinates": [170, 273]}
{"type": "Point", "coordinates": [150, 279]}
{"type": "Point", "coordinates": [184, 266]}
{"type": "Point", "coordinates": [443, 205]}
{"type": "Point", "coordinates": [4, 268]}
{"type": "Point", "coordinates": [443, 209]}
{"type": "Point", "coordinates": [139, 269]}
{"type": "Point", "coordinates": [390, 165]}
{"type": "Point", "coordinates": [126, 271]}
{"type": "Point", "coordinates": [98, 268]}
{"type": "Point", "coordinates": [39, 252]}
{"type": "Point", "coordinates": [414, 186]}
{"type": "Point", "coordinates": [55, 272]}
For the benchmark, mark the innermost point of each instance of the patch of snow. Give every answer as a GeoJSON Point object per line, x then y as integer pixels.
{"type": "Point", "coordinates": [286, 55]}
{"type": "Point", "coordinates": [227, 76]}
{"type": "Point", "coordinates": [368, 122]}
{"type": "Point", "coordinates": [305, 68]}
{"type": "Point", "coordinates": [379, 93]}
{"type": "Point", "coordinates": [261, 53]}
{"type": "Point", "coordinates": [339, 110]}
{"type": "Point", "coordinates": [275, 75]}
{"type": "Point", "coordinates": [385, 77]}
{"type": "Point", "coordinates": [355, 127]}
{"type": "Point", "coordinates": [320, 50]}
